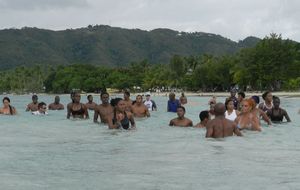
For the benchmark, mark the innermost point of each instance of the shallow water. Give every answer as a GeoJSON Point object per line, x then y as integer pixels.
{"type": "Point", "coordinates": [51, 152]}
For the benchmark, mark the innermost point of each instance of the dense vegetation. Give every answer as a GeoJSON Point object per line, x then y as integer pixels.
{"type": "Point", "coordinates": [273, 64]}
{"type": "Point", "coordinates": [107, 46]}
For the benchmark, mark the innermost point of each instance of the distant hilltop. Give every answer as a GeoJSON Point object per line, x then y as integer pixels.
{"type": "Point", "coordinates": [109, 46]}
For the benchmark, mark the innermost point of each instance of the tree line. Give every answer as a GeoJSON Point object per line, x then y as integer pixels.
{"type": "Point", "coordinates": [273, 64]}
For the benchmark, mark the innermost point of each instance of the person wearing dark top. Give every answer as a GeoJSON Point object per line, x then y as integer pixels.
{"type": "Point", "coordinates": [173, 103]}
{"type": "Point", "coordinates": [121, 118]}
{"type": "Point", "coordinates": [77, 109]}
{"type": "Point", "coordinates": [276, 114]}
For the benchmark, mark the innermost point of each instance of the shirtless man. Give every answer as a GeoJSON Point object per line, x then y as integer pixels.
{"type": "Point", "coordinates": [33, 106]}
{"type": "Point", "coordinates": [90, 104]}
{"type": "Point", "coordinates": [56, 105]}
{"type": "Point", "coordinates": [221, 127]}
{"type": "Point", "coordinates": [204, 118]}
{"type": "Point", "coordinates": [104, 110]}
{"type": "Point", "coordinates": [181, 121]}
{"type": "Point", "coordinates": [127, 101]}
{"type": "Point", "coordinates": [139, 109]}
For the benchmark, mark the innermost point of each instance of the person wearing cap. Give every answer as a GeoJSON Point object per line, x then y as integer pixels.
{"type": "Point", "coordinates": [150, 104]}
{"type": "Point", "coordinates": [33, 106]}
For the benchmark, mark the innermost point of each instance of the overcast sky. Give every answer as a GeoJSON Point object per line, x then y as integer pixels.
{"type": "Point", "coordinates": [234, 19]}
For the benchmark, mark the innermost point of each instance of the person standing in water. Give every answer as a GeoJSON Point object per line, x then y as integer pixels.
{"type": "Point", "coordinates": [183, 99]}
{"type": "Point", "coordinates": [173, 103]}
{"type": "Point", "coordinates": [233, 98]}
{"type": "Point", "coordinates": [42, 109]}
{"type": "Point", "coordinates": [267, 104]}
{"type": "Point", "coordinates": [204, 118]}
{"type": "Point", "coordinates": [121, 118]}
{"type": "Point", "coordinates": [56, 105]}
{"type": "Point", "coordinates": [181, 121]}
{"type": "Point", "coordinates": [241, 97]}
{"type": "Point", "coordinates": [276, 114]}
{"type": "Point", "coordinates": [127, 100]}
{"type": "Point", "coordinates": [150, 104]}
{"type": "Point", "coordinates": [90, 104]}
{"type": "Point", "coordinates": [104, 110]}
{"type": "Point", "coordinates": [77, 109]}
{"type": "Point", "coordinates": [230, 113]}
{"type": "Point", "coordinates": [139, 109]}
{"type": "Point", "coordinates": [33, 106]}
{"type": "Point", "coordinates": [7, 109]}
{"type": "Point", "coordinates": [221, 127]}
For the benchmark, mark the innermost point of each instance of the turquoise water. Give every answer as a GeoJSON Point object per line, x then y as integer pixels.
{"type": "Point", "coordinates": [51, 152]}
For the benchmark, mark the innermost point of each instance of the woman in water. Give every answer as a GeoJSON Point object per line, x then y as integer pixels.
{"type": "Point", "coordinates": [77, 109]}
{"type": "Point", "coordinates": [121, 118]}
{"type": "Point", "coordinates": [267, 104]}
{"type": "Point", "coordinates": [276, 114]}
{"type": "Point", "coordinates": [247, 119]}
{"type": "Point", "coordinates": [7, 109]}
{"type": "Point", "coordinates": [230, 113]}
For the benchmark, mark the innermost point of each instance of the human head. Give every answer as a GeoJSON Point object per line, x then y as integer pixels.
{"type": "Point", "coordinates": [241, 96]}
{"type": "Point", "coordinates": [148, 96]}
{"type": "Point", "coordinates": [229, 105]}
{"type": "Point", "coordinates": [126, 95]}
{"type": "Point", "coordinates": [104, 97]}
{"type": "Point", "coordinates": [180, 111]}
{"type": "Point", "coordinates": [90, 98]}
{"type": "Point", "coordinates": [276, 102]}
{"type": "Point", "coordinates": [256, 99]}
{"type": "Point", "coordinates": [34, 99]}
{"type": "Point", "coordinates": [212, 107]}
{"type": "Point", "coordinates": [72, 94]}
{"type": "Point", "coordinates": [42, 107]}
{"type": "Point", "coordinates": [56, 99]}
{"type": "Point", "coordinates": [6, 101]}
{"type": "Point", "coordinates": [76, 97]}
{"type": "Point", "coordinates": [172, 96]}
{"type": "Point", "coordinates": [267, 96]}
{"type": "Point", "coordinates": [248, 105]}
{"type": "Point", "coordinates": [139, 99]}
{"type": "Point", "coordinates": [204, 115]}
{"type": "Point", "coordinates": [219, 109]}
{"type": "Point", "coordinates": [233, 92]}
{"type": "Point", "coordinates": [119, 104]}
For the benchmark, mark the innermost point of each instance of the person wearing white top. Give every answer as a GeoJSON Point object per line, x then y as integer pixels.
{"type": "Point", "coordinates": [42, 108]}
{"type": "Point", "coordinates": [230, 113]}
{"type": "Point", "coordinates": [150, 104]}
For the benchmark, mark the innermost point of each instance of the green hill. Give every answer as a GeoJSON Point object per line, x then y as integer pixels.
{"type": "Point", "coordinates": [105, 45]}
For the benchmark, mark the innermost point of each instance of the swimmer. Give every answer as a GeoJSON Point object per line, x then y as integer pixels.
{"type": "Point", "coordinates": [139, 109]}
{"type": "Point", "coordinates": [221, 127]}
{"type": "Point", "coordinates": [33, 106]}
{"type": "Point", "coordinates": [240, 98]}
{"type": "Point", "coordinates": [150, 104]}
{"type": "Point", "coordinates": [204, 118]}
{"type": "Point", "coordinates": [211, 110]}
{"type": "Point", "coordinates": [183, 99]}
{"type": "Point", "coordinates": [104, 110]}
{"type": "Point", "coordinates": [121, 118]}
{"type": "Point", "coordinates": [127, 100]}
{"type": "Point", "coordinates": [90, 104]}
{"type": "Point", "coordinates": [248, 119]}
{"type": "Point", "coordinates": [56, 105]}
{"type": "Point", "coordinates": [230, 113]}
{"type": "Point", "coordinates": [276, 114]}
{"type": "Point", "coordinates": [42, 108]}
{"type": "Point", "coordinates": [7, 109]}
{"type": "Point", "coordinates": [267, 104]}
{"type": "Point", "coordinates": [213, 100]}
{"type": "Point", "coordinates": [234, 99]}
{"type": "Point", "coordinates": [173, 103]}
{"type": "Point", "coordinates": [260, 113]}
{"type": "Point", "coordinates": [77, 109]}
{"type": "Point", "coordinates": [181, 121]}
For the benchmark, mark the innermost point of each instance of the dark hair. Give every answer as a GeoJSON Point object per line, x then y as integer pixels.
{"type": "Point", "coordinates": [227, 102]}
{"type": "Point", "coordinates": [264, 95]}
{"type": "Point", "coordinates": [181, 107]}
{"type": "Point", "coordinates": [139, 95]}
{"type": "Point", "coordinates": [89, 96]}
{"type": "Point", "coordinates": [103, 93]}
{"type": "Point", "coordinates": [242, 94]}
{"type": "Point", "coordinates": [203, 115]}
{"type": "Point", "coordinates": [256, 99]}
{"type": "Point", "coordinates": [276, 98]}
{"type": "Point", "coordinates": [10, 107]}
{"type": "Point", "coordinates": [41, 104]}
{"type": "Point", "coordinates": [34, 96]}
{"type": "Point", "coordinates": [115, 101]}
{"type": "Point", "coordinates": [127, 93]}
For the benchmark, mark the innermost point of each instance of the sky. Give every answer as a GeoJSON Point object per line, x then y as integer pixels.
{"type": "Point", "coordinates": [233, 19]}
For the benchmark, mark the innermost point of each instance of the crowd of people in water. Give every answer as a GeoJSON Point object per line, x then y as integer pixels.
{"type": "Point", "coordinates": [220, 120]}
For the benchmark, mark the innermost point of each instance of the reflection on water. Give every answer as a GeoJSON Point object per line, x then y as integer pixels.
{"type": "Point", "coordinates": [52, 152]}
